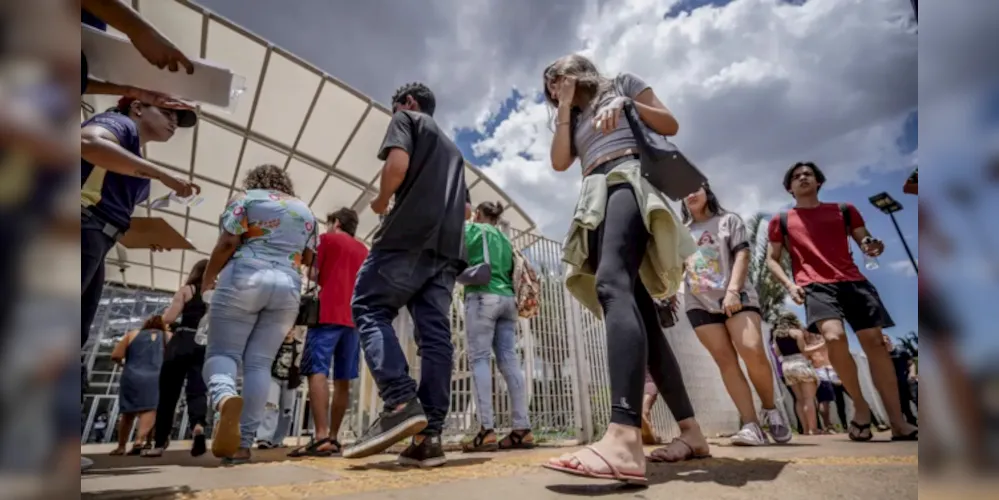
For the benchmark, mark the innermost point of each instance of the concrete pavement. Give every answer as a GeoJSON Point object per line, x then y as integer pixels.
{"type": "Point", "coordinates": [824, 467]}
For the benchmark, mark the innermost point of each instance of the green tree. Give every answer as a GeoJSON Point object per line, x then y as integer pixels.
{"type": "Point", "coordinates": [910, 342]}
{"type": "Point", "coordinates": [771, 292]}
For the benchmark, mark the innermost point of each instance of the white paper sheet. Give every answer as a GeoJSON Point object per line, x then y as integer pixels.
{"type": "Point", "coordinates": [112, 58]}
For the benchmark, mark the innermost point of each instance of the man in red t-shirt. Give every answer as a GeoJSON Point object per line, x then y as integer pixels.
{"type": "Point", "coordinates": [829, 284]}
{"type": "Point", "coordinates": [335, 340]}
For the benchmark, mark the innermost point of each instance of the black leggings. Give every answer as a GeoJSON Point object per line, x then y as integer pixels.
{"type": "Point", "coordinates": [184, 360]}
{"type": "Point", "coordinates": [616, 250]}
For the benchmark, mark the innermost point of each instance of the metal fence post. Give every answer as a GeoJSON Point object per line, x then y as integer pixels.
{"type": "Point", "coordinates": [580, 375]}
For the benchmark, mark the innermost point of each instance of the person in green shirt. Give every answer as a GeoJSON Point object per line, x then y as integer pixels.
{"type": "Point", "coordinates": [491, 325]}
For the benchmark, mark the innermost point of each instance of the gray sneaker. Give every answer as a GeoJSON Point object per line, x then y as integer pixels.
{"type": "Point", "coordinates": [85, 464]}
{"type": "Point", "coordinates": [750, 435]}
{"type": "Point", "coordinates": [777, 426]}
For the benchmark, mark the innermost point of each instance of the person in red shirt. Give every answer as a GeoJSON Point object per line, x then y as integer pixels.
{"type": "Point", "coordinates": [335, 340]}
{"type": "Point", "coordinates": [832, 288]}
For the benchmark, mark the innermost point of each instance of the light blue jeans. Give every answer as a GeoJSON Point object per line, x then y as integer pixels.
{"type": "Point", "coordinates": [254, 306]}
{"type": "Point", "coordinates": [491, 323]}
{"type": "Point", "coordinates": [278, 412]}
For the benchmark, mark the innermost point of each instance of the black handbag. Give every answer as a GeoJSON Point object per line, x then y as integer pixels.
{"type": "Point", "coordinates": [663, 165]}
{"type": "Point", "coordinates": [479, 274]}
{"type": "Point", "coordinates": [308, 307]}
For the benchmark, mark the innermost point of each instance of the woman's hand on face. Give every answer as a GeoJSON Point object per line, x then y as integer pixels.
{"type": "Point", "coordinates": [566, 91]}
{"type": "Point", "coordinates": [607, 119]}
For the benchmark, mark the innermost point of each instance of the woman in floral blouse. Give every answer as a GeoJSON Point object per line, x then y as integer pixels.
{"type": "Point", "coordinates": [267, 235]}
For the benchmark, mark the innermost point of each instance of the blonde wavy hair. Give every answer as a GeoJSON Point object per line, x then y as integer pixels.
{"type": "Point", "coordinates": [786, 322]}
{"type": "Point", "coordinates": [269, 176]}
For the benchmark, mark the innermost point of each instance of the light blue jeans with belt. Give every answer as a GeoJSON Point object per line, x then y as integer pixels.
{"type": "Point", "coordinates": [491, 325]}
{"type": "Point", "coordinates": [254, 306]}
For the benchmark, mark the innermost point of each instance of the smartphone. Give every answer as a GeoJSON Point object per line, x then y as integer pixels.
{"type": "Point", "coordinates": [743, 299]}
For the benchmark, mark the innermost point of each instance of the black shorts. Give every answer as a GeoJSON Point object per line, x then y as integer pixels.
{"type": "Point", "coordinates": [856, 302]}
{"type": "Point", "coordinates": [700, 317]}
{"type": "Point", "coordinates": [825, 392]}
{"type": "Point", "coordinates": [934, 322]}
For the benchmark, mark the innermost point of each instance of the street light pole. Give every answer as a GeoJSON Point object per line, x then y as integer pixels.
{"type": "Point", "coordinates": [888, 205]}
{"type": "Point", "coordinates": [904, 244]}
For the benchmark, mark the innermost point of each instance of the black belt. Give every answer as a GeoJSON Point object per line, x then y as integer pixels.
{"type": "Point", "coordinates": [605, 167]}
{"type": "Point", "coordinates": [109, 230]}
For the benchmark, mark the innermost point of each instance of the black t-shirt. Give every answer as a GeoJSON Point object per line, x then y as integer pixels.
{"type": "Point", "coordinates": [901, 358]}
{"type": "Point", "coordinates": [429, 210]}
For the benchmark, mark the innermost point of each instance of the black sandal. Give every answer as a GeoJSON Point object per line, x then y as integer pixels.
{"type": "Point", "coordinates": [516, 441]}
{"type": "Point", "coordinates": [199, 447]}
{"type": "Point", "coordinates": [857, 432]}
{"type": "Point", "coordinates": [912, 436]}
{"type": "Point", "coordinates": [479, 444]}
{"type": "Point", "coordinates": [312, 449]}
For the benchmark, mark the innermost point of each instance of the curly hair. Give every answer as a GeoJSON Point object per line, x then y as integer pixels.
{"type": "Point", "coordinates": [421, 94]}
{"type": "Point", "coordinates": [268, 177]}
{"type": "Point", "coordinates": [786, 322]}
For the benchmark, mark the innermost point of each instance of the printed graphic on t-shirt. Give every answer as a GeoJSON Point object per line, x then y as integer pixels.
{"type": "Point", "coordinates": [704, 267]}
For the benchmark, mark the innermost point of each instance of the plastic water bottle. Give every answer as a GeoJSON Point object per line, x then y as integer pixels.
{"type": "Point", "coordinates": [870, 263]}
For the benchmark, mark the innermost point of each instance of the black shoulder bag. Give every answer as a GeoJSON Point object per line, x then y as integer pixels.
{"type": "Point", "coordinates": [663, 165]}
{"type": "Point", "coordinates": [308, 308]}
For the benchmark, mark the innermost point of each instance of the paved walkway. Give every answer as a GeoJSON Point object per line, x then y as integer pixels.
{"type": "Point", "coordinates": [824, 467]}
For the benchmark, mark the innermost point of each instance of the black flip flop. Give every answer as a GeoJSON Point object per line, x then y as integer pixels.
{"type": "Point", "coordinates": [516, 441]}
{"type": "Point", "coordinates": [199, 447]}
{"type": "Point", "coordinates": [856, 436]}
{"type": "Point", "coordinates": [912, 436]}
{"type": "Point", "coordinates": [312, 449]}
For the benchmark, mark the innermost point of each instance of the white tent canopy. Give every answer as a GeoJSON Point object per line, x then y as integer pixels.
{"type": "Point", "coordinates": [292, 114]}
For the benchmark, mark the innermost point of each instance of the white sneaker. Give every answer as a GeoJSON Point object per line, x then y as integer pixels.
{"type": "Point", "coordinates": [778, 428]}
{"type": "Point", "coordinates": [750, 435]}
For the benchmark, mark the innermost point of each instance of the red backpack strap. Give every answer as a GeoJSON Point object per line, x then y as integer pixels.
{"type": "Point", "coordinates": [787, 239]}
{"type": "Point", "coordinates": [844, 210]}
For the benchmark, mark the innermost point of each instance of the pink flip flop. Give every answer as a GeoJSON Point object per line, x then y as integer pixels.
{"type": "Point", "coordinates": [636, 478]}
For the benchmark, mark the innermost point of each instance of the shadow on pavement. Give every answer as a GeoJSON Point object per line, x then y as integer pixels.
{"type": "Point", "coordinates": [183, 458]}
{"type": "Point", "coordinates": [165, 493]}
{"type": "Point", "coordinates": [723, 471]}
{"type": "Point", "coordinates": [392, 465]}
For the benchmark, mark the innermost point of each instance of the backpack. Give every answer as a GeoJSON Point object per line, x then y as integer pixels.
{"type": "Point", "coordinates": [844, 210]}
{"type": "Point", "coordinates": [526, 287]}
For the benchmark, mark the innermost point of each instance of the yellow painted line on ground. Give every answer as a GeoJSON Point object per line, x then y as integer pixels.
{"type": "Point", "coordinates": [385, 475]}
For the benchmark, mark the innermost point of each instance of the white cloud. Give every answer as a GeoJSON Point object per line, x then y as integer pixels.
{"type": "Point", "coordinates": [756, 85]}
{"type": "Point", "coordinates": [903, 267]}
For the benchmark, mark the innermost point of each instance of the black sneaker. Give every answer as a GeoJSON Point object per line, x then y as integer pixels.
{"type": "Point", "coordinates": [388, 429]}
{"type": "Point", "coordinates": [428, 453]}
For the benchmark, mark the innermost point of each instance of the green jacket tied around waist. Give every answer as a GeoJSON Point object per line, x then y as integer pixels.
{"type": "Point", "coordinates": [669, 246]}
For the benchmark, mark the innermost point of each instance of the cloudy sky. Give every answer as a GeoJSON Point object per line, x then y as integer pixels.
{"type": "Point", "coordinates": [756, 85]}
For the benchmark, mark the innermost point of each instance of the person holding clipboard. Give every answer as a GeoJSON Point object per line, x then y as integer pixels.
{"type": "Point", "coordinates": [115, 179]}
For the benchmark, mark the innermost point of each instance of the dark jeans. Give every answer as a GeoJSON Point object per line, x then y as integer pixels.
{"type": "Point", "coordinates": [635, 339]}
{"type": "Point", "coordinates": [422, 282]}
{"type": "Point", "coordinates": [95, 246]}
{"type": "Point", "coordinates": [183, 360]}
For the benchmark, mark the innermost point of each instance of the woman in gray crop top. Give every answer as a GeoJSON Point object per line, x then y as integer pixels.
{"type": "Point", "coordinates": [603, 141]}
